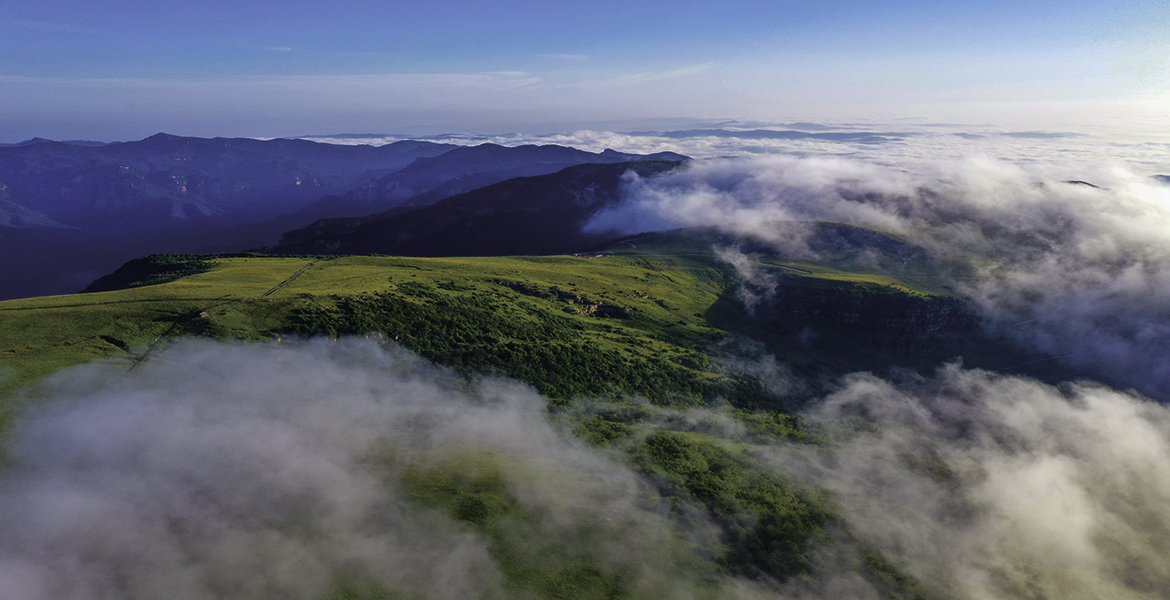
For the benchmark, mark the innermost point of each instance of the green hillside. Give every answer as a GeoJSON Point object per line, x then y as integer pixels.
{"type": "Point", "coordinates": [641, 321]}
{"type": "Point", "coordinates": [661, 318]}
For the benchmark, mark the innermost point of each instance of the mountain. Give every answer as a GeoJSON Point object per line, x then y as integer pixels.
{"type": "Point", "coordinates": [72, 212]}
{"type": "Point", "coordinates": [425, 181]}
{"type": "Point", "coordinates": [465, 169]}
{"type": "Point", "coordinates": [91, 207]}
{"type": "Point", "coordinates": [673, 417]}
{"type": "Point", "coordinates": [686, 413]}
{"type": "Point", "coordinates": [39, 140]}
{"type": "Point", "coordinates": [15, 216]}
{"type": "Point", "coordinates": [866, 137]}
{"type": "Point", "coordinates": [171, 182]}
{"type": "Point", "coordinates": [525, 215]}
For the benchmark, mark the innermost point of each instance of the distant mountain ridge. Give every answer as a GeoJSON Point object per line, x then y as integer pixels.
{"type": "Point", "coordinates": [70, 213]}
{"type": "Point", "coordinates": [39, 140]}
{"type": "Point", "coordinates": [524, 215]}
{"type": "Point", "coordinates": [166, 180]}
{"type": "Point", "coordinates": [429, 180]}
{"type": "Point", "coordinates": [467, 168]}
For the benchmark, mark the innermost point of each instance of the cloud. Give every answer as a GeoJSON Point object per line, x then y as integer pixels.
{"type": "Point", "coordinates": [238, 471]}
{"type": "Point", "coordinates": [1079, 271]}
{"type": "Point", "coordinates": [1001, 487]}
{"type": "Point", "coordinates": [755, 284]}
{"type": "Point", "coordinates": [918, 147]}
{"type": "Point", "coordinates": [243, 471]}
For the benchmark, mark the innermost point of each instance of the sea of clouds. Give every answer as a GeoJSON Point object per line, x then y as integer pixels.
{"type": "Point", "coordinates": [899, 144]}
{"type": "Point", "coordinates": [229, 470]}
{"type": "Point", "coordinates": [222, 470]}
{"type": "Point", "coordinates": [1072, 260]}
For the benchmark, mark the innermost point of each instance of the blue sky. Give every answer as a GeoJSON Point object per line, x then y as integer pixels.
{"type": "Point", "coordinates": [123, 70]}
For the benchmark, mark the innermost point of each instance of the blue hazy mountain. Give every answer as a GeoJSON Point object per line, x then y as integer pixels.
{"type": "Point", "coordinates": [70, 213]}
{"type": "Point", "coordinates": [525, 215]}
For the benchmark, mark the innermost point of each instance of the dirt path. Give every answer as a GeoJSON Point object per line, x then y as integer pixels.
{"type": "Point", "coordinates": [286, 281]}
{"type": "Point", "coordinates": [175, 324]}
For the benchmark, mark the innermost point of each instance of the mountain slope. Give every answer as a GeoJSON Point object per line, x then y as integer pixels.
{"type": "Point", "coordinates": [537, 319]}
{"type": "Point", "coordinates": [657, 374]}
{"type": "Point", "coordinates": [464, 169]}
{"type": "Point", "coordinates": [526, 215]}
{"type": "Point", "coordinates": [168, 194]}
{"type": "Point", "coordinates": [170, 180]}
{"type": "Point", "coordinates": [422, 182]}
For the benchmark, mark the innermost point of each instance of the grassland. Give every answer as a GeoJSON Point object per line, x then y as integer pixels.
{"type": "Point", "coordinates": [645, 318]}
{"type": "Point", "coordinates": [653, 321]}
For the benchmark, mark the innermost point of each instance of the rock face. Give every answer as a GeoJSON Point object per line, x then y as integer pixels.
{"type": "Point", "coordinates": [867, 318]}
{"type": "Point", "coordinates": [875, 310]}
{"type": "Point", "coordinates": [576, 302]}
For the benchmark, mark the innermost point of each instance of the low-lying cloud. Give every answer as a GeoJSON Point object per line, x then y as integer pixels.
{"type": "Point", "coordinates": [221, 470]}
{"type": "Point", "coordinates": [1000, 487]}
{"type": "Point", "coordinates": [1074, 259]}
{"type": "Point", "coordinates": [912, 146]}
{"type": "Point", "coordinates": [233, 471]}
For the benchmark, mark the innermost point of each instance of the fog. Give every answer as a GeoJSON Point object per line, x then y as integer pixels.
{"type": "Point", "coordinates": [232, 471]}
{"type": "Point", "coordinates": [894, 143]}
{"type": "Point", "coordinates": [225, 470]}
{"type": "Point", "coordinates": [1074, 259]}
{"type": "Point", "coordinates": [1002, 487]}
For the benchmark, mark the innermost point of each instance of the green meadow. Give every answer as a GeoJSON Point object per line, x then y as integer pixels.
{"type": "Point", "coordinates": [646, 318]}
{"type": "Point", "coordinates": [598, 336]}
{"type": "Point", "coordinates": [439, 305]}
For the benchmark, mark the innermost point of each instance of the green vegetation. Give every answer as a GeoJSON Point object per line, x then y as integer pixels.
{"type": "Point", "coordinates": [152, 270]}
{"type": "Point", "coordinates": [659, 321]}
{"type": "Point", "coordinates": [478, 331]}
{"type": "Point", "coordinates": [772, 525]}
{"type": "Point", "coordinates": [164, 268]}
{"type": "Point", "coordinates": [40, 335]}
{"type": "Point", "coordinates": [536, 554]}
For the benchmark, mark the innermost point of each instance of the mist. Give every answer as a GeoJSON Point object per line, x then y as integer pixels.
{"type": "Point", "coordinates": [230, 470]}
{"type": "Point", "coordinates": [986, 486]}
{"type": "Point", "coordinates": [1072, 259]}
{"type": "Point", "coordinates": [257, 471]}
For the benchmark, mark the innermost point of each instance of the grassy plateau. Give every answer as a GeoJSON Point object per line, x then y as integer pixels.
{"type": "Point", "coordinates": [657, 317]}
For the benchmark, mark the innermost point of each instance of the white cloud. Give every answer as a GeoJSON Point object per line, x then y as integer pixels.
{"type": "Point", "coordinates": [1088, 268]}
{"type": "Point", "coordinates": [1000, 487]}
{"type": "Point", "coordinates": [259, 471]}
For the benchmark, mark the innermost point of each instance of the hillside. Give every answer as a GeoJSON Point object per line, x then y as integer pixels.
{"type": "Point", "coordinates": [651, 353]}
{"type": "Point", "coordinates": [72, 213]}
{"type": "Point", "coordinates": [655, 303]}
{"type": "Point", "coordinates": [525, 215]}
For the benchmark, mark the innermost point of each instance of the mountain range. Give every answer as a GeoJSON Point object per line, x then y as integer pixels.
{"type": "Point", "coordinates": [71, 212]}
{"type": "Point", "coordinates": [799, 407]}
{"type": "Point", "coordinates": [521, 216]}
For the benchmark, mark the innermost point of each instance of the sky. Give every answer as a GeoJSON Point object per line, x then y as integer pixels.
{"type": "Point", "coordinates": [124, 70]}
